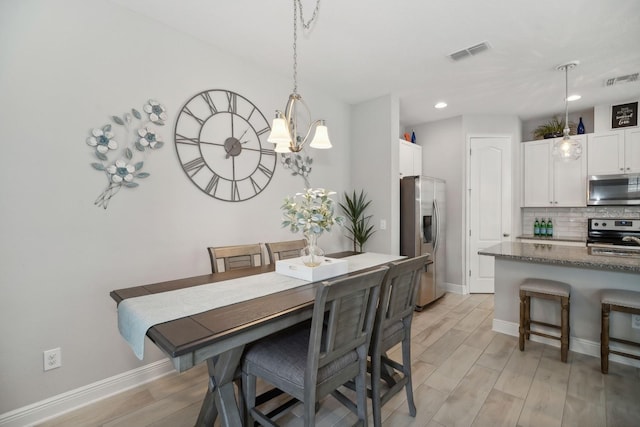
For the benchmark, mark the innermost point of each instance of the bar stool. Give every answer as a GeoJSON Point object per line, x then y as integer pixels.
{"type": "Point", "coordinates": [616, 300]}
{"type": "Point", "coordinates": [545, 289]}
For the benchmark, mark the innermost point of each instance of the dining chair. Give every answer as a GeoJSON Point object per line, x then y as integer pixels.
{"type": "Point", "coordinates": [393, 326]}
{"type": "Point", "coordinates": [312, 360]}
{"type": "Point", "coordinates": [225, 258]}
{"type": "Point", "coordinates": [284, 250]}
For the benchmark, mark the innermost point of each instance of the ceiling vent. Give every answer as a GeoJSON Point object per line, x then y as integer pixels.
{"type": "Point", "coordinates": [629, 78]}
{"type": "Point", "coordinates": [470, 51]}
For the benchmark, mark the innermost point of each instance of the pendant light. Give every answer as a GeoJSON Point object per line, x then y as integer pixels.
{"type": "Point", "coordinates": [567, 149]}
{"type": "Point", "coordinates": [284, 130]}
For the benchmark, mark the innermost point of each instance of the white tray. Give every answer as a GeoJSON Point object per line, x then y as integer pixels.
{"type": "Point", "coordinates": [330, 267]}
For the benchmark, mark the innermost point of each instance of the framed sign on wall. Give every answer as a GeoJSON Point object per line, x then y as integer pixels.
{"type": "Point", "coordinates": [624, 115]}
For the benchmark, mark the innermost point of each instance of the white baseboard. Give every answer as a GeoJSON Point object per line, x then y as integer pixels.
{"type": "Point", "coordinates": [455, 288]}
{"type": "Point", "coordinates": [579, 345]}
{"type": "Point", "coordinates": [74, 399]}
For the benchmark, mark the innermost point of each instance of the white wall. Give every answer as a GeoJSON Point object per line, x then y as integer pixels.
{"type": "Point", "coordinates": [66, 67]}
{"type": "Point", "coordinates": [374, 167]}
{"type": "Point", "coordinates": [444, 156]}
{"type": "Point", "coordinates": [602, 115]}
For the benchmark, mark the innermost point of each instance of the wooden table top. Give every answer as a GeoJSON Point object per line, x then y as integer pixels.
{"type": "Point", "coordinates": [188, 334]}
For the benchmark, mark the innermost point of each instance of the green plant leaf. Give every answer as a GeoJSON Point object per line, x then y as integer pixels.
{"type": "Point", "coordinates": [142, 175]}
{"type": "Point", "coordinates": [118, 120]}
{"type": "Point", "coordinates": [128, 153]}
{"type": "Point", "coordinates": [131, 184]}
{"type": "Point", "coordinates": [101, 156]}
{"type": "Point", "coordinates": [358, 228]}
{"type": "Point", "coordinates": [136, 114]}
{"type": "Point", "coordinates": [98, 166]}
{"type": "Point", "coordinates": [138, 165]}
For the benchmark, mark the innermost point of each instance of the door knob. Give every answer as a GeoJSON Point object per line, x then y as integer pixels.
{"type": "Point", "coordinates": [505, 234]}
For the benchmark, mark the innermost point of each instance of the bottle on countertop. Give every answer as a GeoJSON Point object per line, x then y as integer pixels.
{"type": "Point", "coordinates": [543, 228]}
{"type": "Point", "coordinates": [413, 136]}
{"type": "Point", "coordinates": [580, 127]}
{"type": "Point", "coordinates": [536, 228]}
{"type": "Point", "coordinates": [549, 228]}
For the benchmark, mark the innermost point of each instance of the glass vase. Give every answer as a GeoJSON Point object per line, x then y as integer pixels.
{"type": "Point", "coordinates": [312, 254]}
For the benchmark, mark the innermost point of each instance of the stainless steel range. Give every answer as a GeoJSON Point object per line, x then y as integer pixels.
{"type": "Point", "coordinates": [615, 237]}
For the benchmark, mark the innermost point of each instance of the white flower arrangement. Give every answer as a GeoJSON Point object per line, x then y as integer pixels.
{"type": "Point", "coordinates": [313, 214]}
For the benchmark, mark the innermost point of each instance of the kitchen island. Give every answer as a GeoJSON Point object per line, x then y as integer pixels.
{"type": "Point", "coordinates": [587, 274]}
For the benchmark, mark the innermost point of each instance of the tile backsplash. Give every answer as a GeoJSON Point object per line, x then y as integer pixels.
{"type": "Point", "coordinates": [571, 223]}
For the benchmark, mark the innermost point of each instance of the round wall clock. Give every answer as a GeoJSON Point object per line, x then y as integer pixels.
{"type": "Point", "coordinates": [221, 141]}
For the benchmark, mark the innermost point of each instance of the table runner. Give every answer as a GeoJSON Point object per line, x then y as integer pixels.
{"type": "Point", "coordinates": [136, 315]}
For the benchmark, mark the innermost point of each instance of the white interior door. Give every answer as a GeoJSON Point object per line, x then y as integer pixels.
{"type": "Point", "coordinates": [489, 205]}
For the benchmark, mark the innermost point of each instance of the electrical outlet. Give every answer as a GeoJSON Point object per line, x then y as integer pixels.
{"type": "Point", "coordinates": [52, 359]}
{"type": "Point", "coordinates": [383, 224]}
{"type": "Point", "coordinates": [635, 321]}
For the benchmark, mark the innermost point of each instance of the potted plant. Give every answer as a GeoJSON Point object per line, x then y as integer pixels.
{"type": "Point", "coordinates": [357, 225]}
{"type": "Point", "coordinates": [553, 129]}
{"type": "Point", "coordinates": [311, 212]}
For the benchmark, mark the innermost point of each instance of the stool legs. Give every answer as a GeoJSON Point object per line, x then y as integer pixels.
{"type": "Point", "coordinates": [604, 339]}
{"type": "Point", "coordinates": [524, 330]}
{"type": "Point", "coordinates": [564, 338]}
{"type": "Point", "coordinates": [521, 329]}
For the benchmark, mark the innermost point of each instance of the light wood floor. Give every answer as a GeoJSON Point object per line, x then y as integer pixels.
{"type": "Point", "coordinates": [463, 374]}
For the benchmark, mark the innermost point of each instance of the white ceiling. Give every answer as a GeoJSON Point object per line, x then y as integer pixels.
{"type": "Point", "coordinates": [362, 49]}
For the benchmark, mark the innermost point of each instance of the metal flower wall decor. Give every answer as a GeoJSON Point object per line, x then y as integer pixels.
{"type": "Point", "coordinates": [299, 164]}
{"type": "Point", "coordinates": [139, 132]}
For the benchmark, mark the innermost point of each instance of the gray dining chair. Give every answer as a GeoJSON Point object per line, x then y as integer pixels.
{"type": "Point", "coordinates": [393, 326]}
{"type": "Point", "coordinates": [284, 250]}
{"type": "Point", "coordinates": [311, 361]}
{"type": "Point", "coordinates": [225, 258]}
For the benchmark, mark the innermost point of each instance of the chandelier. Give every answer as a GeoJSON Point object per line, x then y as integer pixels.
{"type": "Point", "coordinates": [567, 149]}
{"type": "Point", "coordinates": [284, 130]}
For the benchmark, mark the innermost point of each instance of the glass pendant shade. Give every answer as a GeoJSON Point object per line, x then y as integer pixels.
{"type": "Point", "coordinates": [321, 138]}
{"type": "Point", "coordinates": [279, 131]}
{"type": "Point", "coordinates": [567, 149]}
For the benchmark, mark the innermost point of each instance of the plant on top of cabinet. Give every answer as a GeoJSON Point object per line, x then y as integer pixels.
{"type": "Point", "coordinates": [357, 223]}
{"type": "Point", "coordinates": [553, 129]}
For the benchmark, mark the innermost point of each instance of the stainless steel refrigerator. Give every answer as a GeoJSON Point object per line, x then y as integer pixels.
{"type": "Point", "coordinates": [422, 225]}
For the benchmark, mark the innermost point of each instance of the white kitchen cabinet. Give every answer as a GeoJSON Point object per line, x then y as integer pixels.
{"type": "Point", "coordinates": [614, 152]}
{"type": "Point", "coordinates": [410, 157]}
{"type": "Point", "coordinates": [549, 182]}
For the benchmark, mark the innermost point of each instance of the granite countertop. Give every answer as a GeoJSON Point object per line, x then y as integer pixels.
{"type": "Point", "coordinates": [552, 239]}
{"type": "Point", "coordinates": [569, 256]}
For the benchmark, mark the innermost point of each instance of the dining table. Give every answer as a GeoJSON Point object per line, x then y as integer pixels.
{"type": "Point", "coordinates": [218, 335]}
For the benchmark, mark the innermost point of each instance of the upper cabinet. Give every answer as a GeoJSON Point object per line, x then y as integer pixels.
{"type": "Point", "coordinates": [614, 152]}
{"type": "Point", "coordinates": [548, 182]}
{"type": "Point", "coordinates": [410, 159]}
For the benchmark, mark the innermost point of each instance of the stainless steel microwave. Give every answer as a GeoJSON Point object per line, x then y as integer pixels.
{"type": "Point", "coordinates": [606, 190]}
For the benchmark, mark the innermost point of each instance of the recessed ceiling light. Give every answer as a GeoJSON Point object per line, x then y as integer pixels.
{"type": "Point", "coordinates": [440, 105]}
{"type": "Point", "coordinates": [573, 98]}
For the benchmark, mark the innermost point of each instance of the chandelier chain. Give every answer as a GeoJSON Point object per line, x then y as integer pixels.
{"type": "Point", "coordinates": [298, 4]}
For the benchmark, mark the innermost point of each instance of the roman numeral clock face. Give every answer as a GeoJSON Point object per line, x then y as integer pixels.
{"type": "Point", "coordinates": [221, 141]}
